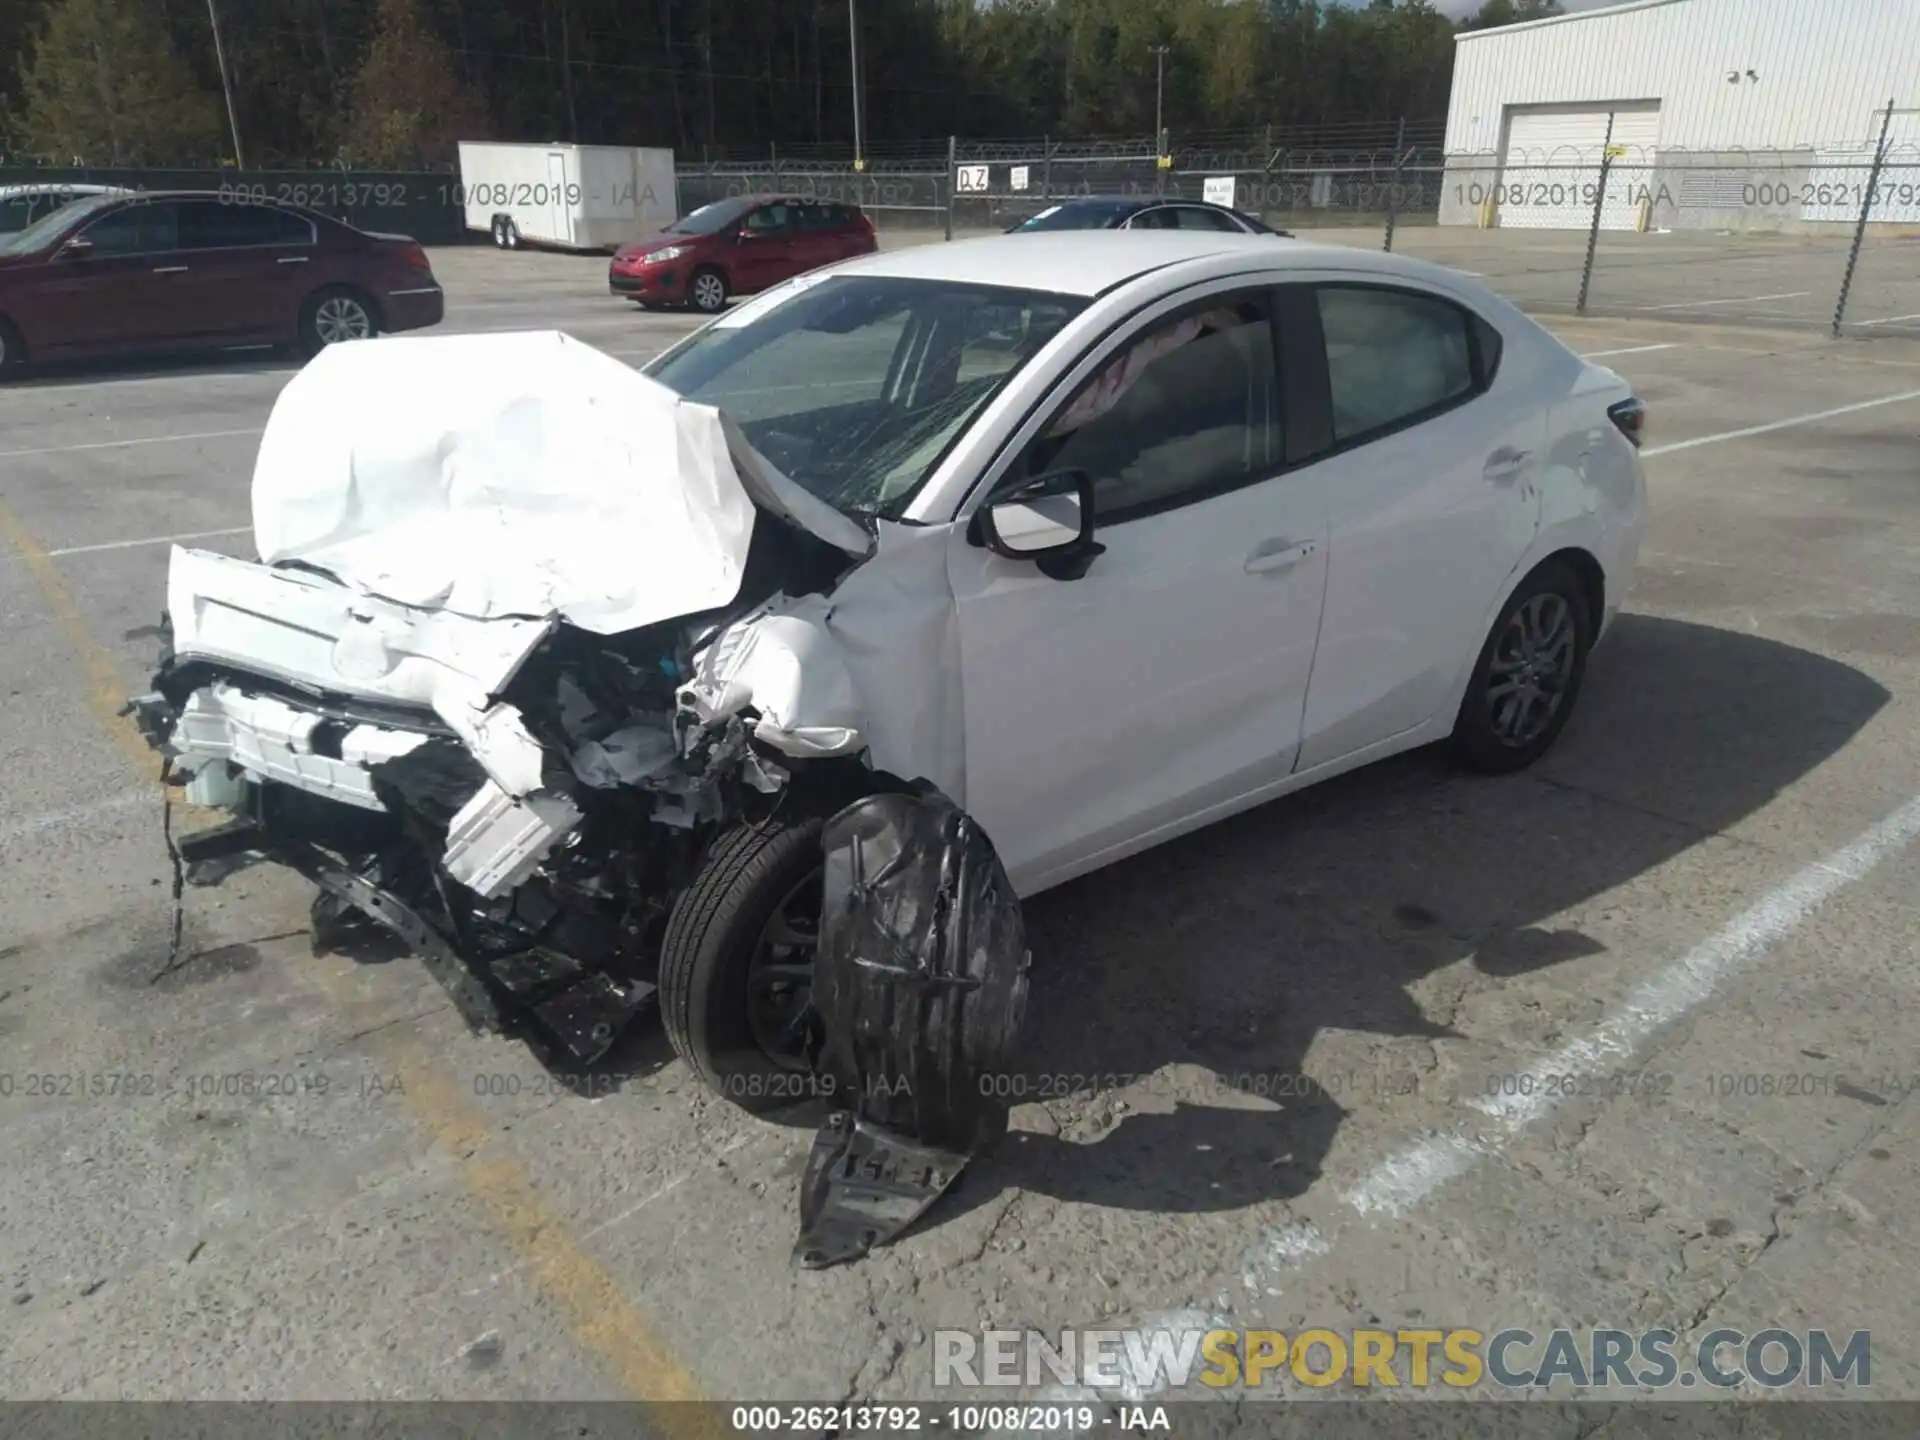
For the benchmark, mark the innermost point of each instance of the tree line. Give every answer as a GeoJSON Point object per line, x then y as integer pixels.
{"type": "Point", "coordinates": [395, 83]}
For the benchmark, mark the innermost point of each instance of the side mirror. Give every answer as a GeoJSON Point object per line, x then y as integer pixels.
{"type": "Point", "coordinates": [78, 248]}
{"type": "Point", "coordinates": [1048, 519]}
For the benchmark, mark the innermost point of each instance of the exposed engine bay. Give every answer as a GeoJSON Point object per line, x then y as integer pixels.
{"type": "Point", "coordinates": [523, 661]}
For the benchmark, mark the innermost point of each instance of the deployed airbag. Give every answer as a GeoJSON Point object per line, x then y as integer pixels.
{"type": "Point", "coordinates": [494, 475]}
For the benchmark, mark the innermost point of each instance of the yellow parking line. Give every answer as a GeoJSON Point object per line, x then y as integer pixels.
{"type": "Point", "coordinates": [106, 689]}
{"type": "Point", "coordinates": [604, 1322]}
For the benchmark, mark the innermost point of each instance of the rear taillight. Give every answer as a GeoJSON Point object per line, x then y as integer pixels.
{"type": "Point", "coordinates": [866, 222]}
{"type": "Point", "coordinates": [1630, 417]}
{"type": "Point", "coordinates": [414, 257]}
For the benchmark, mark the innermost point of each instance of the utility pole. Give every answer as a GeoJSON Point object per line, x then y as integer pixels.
{"type": "Point", "coordinates": [1159, 86]}
{"type": "Point", "coordinates": [226, 87]}
{"type": "Point", "coordinates": [707, 54]}
{"type": "Point", "coordinates": [566, 76]}
{"type": "Point", "coordinates": [853, 50]}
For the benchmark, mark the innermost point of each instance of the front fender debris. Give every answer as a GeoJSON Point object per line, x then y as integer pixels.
{"type": "Point", "coordinates": [921, 989]}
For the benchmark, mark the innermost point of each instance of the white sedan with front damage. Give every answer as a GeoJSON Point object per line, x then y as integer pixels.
{"type": "Point", "coordinates": [1075, 542]}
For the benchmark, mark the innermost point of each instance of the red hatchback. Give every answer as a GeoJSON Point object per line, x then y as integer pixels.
{"type": "Point", "coordinates": [738, 246]}
{"type": "Point", "coordinates": [192, 270]}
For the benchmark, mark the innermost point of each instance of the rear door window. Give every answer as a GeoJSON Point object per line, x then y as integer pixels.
{"type": "Point", "coordinates": [1393, 357]}
{"type": "Point", "coordinates": [214, 225]}
{"type": "Point", "coordinates": [1194, 217]}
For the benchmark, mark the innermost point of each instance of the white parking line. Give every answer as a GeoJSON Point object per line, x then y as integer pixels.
{"type": "Point", "coordinates": [1737, 300]}
{"type": "Point", "coordinates": [1630, 350]}
{"type": "Point", "coordinates": [1887, 320]}
{"type": "Point", "coordinates": [121, 444]}
{"type": "Point", "coordinates": [147, 540]}
{"type": "Point", "coordinates": [96, 384]}
{"type": "Point", "coordinates": [1405, 1179]}
{"type": "Point", "coordinates": [1786, 424]}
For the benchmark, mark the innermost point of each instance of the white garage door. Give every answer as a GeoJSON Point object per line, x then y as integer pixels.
{"type": "Point", "coordinates": [1552, 166]}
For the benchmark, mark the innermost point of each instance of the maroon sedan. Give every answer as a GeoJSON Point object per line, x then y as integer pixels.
{"type": "Point", "coordinates": [178, 271]}
{"type": "Point", "coordinates": [738, 246]}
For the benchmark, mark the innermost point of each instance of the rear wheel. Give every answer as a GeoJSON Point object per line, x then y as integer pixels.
{"type": "Point", "coordinates": [13, 354]}
{"type": "Point", "coordinates": [1528, 675]}
{"type": "Point", "coordinates": [707, 291]}
{"type": "Point", "coordinates": [509, 234]}
{"type": "Point", "coordinates": [335, 316]}
{"type": "Point", "coordinates": [736, 963]}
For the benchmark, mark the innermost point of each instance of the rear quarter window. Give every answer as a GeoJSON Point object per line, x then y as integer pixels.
{"type": "Point", "coordinates": [1487, 345]}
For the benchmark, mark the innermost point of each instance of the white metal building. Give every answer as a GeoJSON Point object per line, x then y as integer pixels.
{"type": "Point", "coordinates": [1720, 113]}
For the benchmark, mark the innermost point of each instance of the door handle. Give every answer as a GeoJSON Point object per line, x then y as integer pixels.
{"type": "Point", "coordinates": [1505, 463]}
{"type": "Point", "coordinates": [1271, 555]}
{"type": "Point", "coordinates": [168, 269]}
{"type": "Point", "coordinates": [293, 260]}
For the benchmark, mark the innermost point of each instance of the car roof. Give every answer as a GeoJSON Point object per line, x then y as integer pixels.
{"type": "Point", "coordinates": [1091, 262]}
{"type": "Point", "coordinates": [60, 187]}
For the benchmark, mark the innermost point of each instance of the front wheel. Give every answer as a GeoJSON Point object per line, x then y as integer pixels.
{"type": "Point", "coordinates": [708, 292]}
{"type": "Point", "coordinates": [736, 963]}
{"type": "Point", "coordinates": [1528, 675]}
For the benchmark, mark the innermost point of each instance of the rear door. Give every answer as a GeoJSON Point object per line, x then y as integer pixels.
{"type": "Point", "coordinates": [1430, 475]}
{"type": "Point", "coordinates": [854, 229]}
{"type": "Point", "coordinates": [121, 291]}
{"type": "Point", "coordinates": [246, 269]}
{"type": "Point", "coordinates": [815, 240]}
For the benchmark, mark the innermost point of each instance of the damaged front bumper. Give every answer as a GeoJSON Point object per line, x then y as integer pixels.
{"type": "Point", "coordinates": [518, 801]}
{"type": "Point", "coordinates": [520, 804]}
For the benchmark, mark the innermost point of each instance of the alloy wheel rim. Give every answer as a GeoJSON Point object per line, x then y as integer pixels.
{"type": "Point", "coordinates": [1531, 670]}
{"type": "Point", "coordinates": [707, 292]}
{"type": "Point", "coordinates": [341, 319]}
{"type": "Point", "coordinates": [780, 975]}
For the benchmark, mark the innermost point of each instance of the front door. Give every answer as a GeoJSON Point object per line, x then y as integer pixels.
{"type": "Point", "coordinates": [1433, 499]}
{"type": "Point", "coordinates": [1166, 683]}
{"type": "Point", "coordinates": [764, 255]}
{"type": "Point", "coordinates": [122, 290]}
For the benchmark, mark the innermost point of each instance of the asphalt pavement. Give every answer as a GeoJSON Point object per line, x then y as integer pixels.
{"type": "Point", "coordinates": [1629, 1040]}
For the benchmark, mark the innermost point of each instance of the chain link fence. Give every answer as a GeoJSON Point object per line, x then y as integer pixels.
{"type": "Point", "coordinates": [1812, 238]}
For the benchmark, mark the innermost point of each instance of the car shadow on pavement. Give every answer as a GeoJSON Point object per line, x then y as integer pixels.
{"type": "Point", "coordinates": [251, 360]}
{"type": "Point", "coordinates": [1206, 967]}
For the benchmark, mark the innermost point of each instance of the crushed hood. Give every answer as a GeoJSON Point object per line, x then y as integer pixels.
{"type": "Point", "coordinates": [523, 474]}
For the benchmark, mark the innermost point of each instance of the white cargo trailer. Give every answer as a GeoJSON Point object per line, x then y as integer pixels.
{"type": "Point", "coordinates": [572, 197]}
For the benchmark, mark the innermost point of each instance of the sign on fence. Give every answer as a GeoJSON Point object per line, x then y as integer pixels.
{"type": "Point", "coordinates": [970, 179]}
{"type": "Point", "coordinates": [1218, 190]}
{"type": "Point", "coordinates": [1019, 177]}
